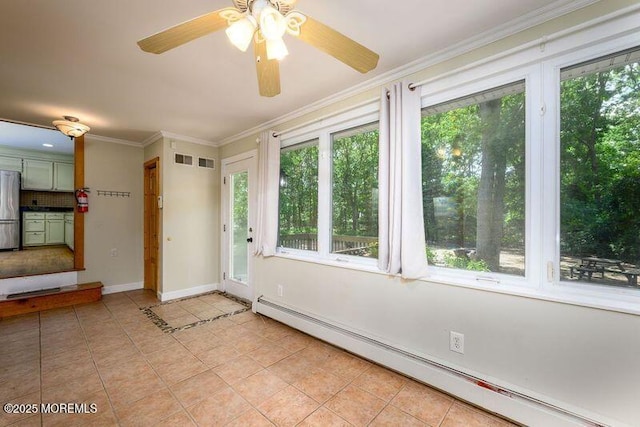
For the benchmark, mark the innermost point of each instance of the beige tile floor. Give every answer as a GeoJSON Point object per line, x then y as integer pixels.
{"type": "Point", "coordinates": [244, 370]}
{"type": "Point", "coordinates": [179, 314]}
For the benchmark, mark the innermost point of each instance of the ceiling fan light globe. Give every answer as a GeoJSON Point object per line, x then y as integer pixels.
{"type": "Point", "coordinates": [272, 24]}
{"type": "Point", "coordinates": [241, 32]}
{"type": "Point", "coordinates": [276, 49]}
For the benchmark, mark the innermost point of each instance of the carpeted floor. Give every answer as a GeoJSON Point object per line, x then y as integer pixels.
{"type": "Point", "coordinates": [189, 312]}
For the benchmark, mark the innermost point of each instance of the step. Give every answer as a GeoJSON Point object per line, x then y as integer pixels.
{"type": "Point", "coordinates": [47, 299]}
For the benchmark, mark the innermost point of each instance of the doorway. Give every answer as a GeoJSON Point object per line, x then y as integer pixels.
{"type": "Point", "coordinates": [151, 223]}
{"type": "Point", "coordinates": [39, 253]}
{"type": "Point", "coordinates": [238, 224]}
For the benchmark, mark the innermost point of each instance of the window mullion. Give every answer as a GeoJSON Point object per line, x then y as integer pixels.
{"type": "Point", "coordinates": [550, 198]}
{"type": "Point", "coordinates": [324, 196]}
{"type": "Point", "coordinates": [535, 203]}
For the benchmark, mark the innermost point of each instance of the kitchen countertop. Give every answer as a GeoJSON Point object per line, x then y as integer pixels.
{"type": "Point", "coordinates": [44, 209]}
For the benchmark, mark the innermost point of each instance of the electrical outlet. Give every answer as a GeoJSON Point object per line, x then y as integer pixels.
{"type": "Point", "coordinates": [280, 290]}
{"type": "Point", "coordinates": [456, 342]}
{"type": "Point", "coordinates": [114, 252]}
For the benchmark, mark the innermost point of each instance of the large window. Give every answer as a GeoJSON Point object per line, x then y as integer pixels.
{"type": "Point", "coordinates": [329, 191]}
{"type": "Point", "coordinates": [600, 170]}
{"type": "Point", "coordinates": [531, 187]}
{"type": "Point", "coordinates": [473, 171]}
{"type": "Point", "coordinates": [298, 218]}
{"type": "Point", "coordinates": [355, 191]}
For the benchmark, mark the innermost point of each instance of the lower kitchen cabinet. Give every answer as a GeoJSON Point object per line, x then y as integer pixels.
{"type": "Point", "coordinates": [68, 230]}
{"type": "Point", "coordinates": [43, 228]}
{"type": "Point", "coordinates": [33, 238]}
{"type": "Point", "coordinates": [54, 231]}
{"type": "Point", "coordinates": [33, 229]}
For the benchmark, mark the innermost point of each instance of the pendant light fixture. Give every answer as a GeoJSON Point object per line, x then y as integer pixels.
{"type": "Point", "coordinates": [71, 126]}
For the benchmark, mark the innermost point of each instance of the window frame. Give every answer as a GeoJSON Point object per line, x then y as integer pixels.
{"type": "Point", "coordinates": [538, 63]}
{"type": "Point", "coordinates": [323, 131]}
{"type": "Point", "coordinates": [284, 249]}
{"type": "Point", "coordinates": [466, 85]}
{"type": "Point", "coordinates": [583, 293]}
{"type": "Point", "coordinates": [332, 255]}
{"type": "Point", "coordinates": [542, 83]}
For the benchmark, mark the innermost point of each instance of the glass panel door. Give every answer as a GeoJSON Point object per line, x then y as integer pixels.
{"type": "Point", "coordinates": [239, 224]}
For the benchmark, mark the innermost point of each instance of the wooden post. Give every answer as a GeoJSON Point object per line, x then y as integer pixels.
{"type": "Point", "coordinates": [78, 218]}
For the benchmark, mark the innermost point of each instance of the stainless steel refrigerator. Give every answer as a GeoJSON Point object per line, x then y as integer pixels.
{"type": "Point", "coordinates": [9, 209]}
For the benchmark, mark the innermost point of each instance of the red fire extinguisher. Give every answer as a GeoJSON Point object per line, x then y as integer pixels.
{"type": "Point", "coordinates": [83, 200]}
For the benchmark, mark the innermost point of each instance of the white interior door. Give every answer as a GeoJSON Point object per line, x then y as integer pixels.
{"type": "Point", "coordinates": [238, 189]}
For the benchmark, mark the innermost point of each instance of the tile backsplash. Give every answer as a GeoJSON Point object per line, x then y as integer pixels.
{"type": "Point", "coordinates": [47, 198]}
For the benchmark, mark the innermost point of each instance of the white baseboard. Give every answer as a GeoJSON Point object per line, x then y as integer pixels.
{"type": "Point", "coordinates": [15, 285]}
{"type": "Point", "coordinates": [189, 292]}
{"type": "Point", "coordinates": [516, 407]}
{"type": "Point", "coordinates": [122, 288]}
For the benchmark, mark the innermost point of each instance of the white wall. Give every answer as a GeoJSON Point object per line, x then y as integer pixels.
{"type": "Point", "coordinates": [113, 222]}
{"type": "Point", "coordinates": [190, 220]}
{"type": "Point", "coordinates": [579, 358]}
{"type": "Point", "coordinates": [584, 360]}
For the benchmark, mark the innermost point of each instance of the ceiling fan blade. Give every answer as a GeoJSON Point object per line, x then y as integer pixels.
{"type": "Point", "coordinates": [338, 45]}
{"type": "Point", "coordinates": [185, 32]}
{"type": "Point", "coordinates": [268, 71]}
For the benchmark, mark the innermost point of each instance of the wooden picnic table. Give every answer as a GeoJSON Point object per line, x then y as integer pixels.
{"type": "Point", "coordinates": [590, 265]}
{"type": "Point", "coordinates": [595, 262]}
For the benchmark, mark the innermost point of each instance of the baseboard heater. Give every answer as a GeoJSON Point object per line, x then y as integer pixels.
{"type": "Point", "coordinates": [30, 294]}
{"type": "Point", "coordinates": [528, 409]}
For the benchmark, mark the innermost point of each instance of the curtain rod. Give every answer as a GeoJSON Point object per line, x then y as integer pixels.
{"type": "Point", "coordinates": [276, 134]}
{"type": "Point", "coordinates": [411, 86]}
{"type": "Point", "coordinates": [324, 117]}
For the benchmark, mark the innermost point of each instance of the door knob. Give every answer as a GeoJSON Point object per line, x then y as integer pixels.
{"type": "Point", "coordinates": [250, 239]}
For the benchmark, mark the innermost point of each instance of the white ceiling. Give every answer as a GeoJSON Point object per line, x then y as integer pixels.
{"type": "Point", "coordinates": [33, 138]}
{"type": "Point", "coordinates": [80, 58]}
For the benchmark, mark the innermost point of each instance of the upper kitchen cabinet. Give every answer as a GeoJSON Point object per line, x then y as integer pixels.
{"type": "Point", "coordinates": [45, 175]}
{"type": "Point", "coordinates": [37, 175]}
{"type": "Point", "coordinates": [10, 164]}
{"type": "Point", "coordinates": [41, 171]}
{"type": "Point", "coordinates": [63, 176]}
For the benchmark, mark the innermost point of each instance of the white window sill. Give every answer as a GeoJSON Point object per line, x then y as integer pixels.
{"type": "Point", "coordinates": [353, 263]}
{"type": "Point", "coordinates": [583, 295]}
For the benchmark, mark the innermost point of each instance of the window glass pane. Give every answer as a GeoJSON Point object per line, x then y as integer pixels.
{"type": "Point", "coordinates": [473, 172]}
{"type": "Point", "coordinates": [298, 221]}
{"type": "Point", "coordinates": [600, 170]}
{"type": "Point", "coordinates": [355, 192]}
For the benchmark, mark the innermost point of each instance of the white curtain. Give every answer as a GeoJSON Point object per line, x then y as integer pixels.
{"type": "Point", "coordinates": [401, 228]}
{"type": "Point", "coordinates": [266, 234]}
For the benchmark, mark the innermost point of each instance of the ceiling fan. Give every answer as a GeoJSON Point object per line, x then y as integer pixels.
{"type": "Point", "coordinates": [265, 22]}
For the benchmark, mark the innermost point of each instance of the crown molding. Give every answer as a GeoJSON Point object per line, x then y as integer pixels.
{"type": "Point", "coordinates": [537, 17]}
{"type": "Point", "coordinates": [185, 138]}
{"type": "Point", "coordinates": [153, 138]}
{"type": "Point", "coordinates": [99, 138]}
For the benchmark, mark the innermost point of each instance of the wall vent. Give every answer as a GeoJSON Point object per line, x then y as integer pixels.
{"type": "Point", "coordinates": [183, 159]}
{"type": "Point", "coordinates": [206, 163]}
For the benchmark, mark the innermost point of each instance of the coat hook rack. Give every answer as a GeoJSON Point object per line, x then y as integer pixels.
{"type": "Point", "coordinates": [110, 193]}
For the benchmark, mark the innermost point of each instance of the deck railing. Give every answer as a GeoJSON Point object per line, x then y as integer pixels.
{"type": "Point", "coordinates": [347, 245]}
